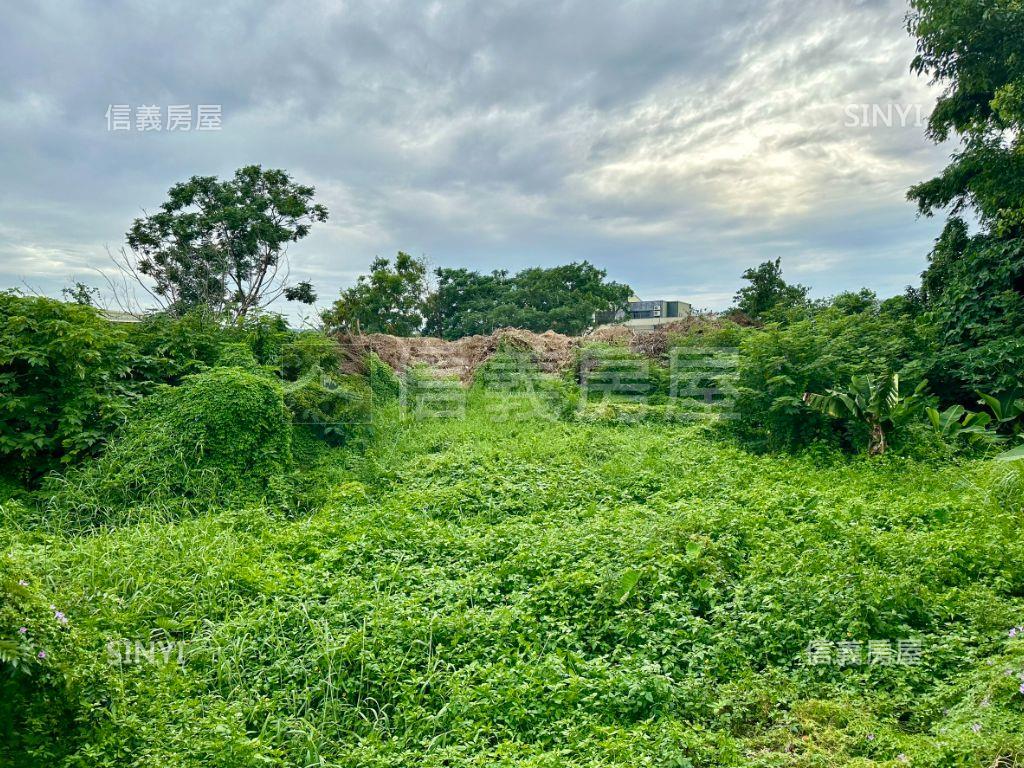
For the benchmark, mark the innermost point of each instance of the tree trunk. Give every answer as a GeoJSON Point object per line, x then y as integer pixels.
{"type": "Point", "coordinates": [876, 442]}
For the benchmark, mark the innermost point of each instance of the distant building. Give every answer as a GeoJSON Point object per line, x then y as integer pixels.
{"type": "Point", "coordinates": [643, 315]}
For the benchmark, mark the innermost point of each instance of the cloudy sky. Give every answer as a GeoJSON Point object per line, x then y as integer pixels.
{"type": "Point", "coordinates": [672, 143]}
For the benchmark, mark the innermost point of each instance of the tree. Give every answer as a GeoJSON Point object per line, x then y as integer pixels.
{"type": "Point", "coordinates": [464, 302]}
{"type": "Point", "coordinates": [562, 299]}
{"type": "Point", "coordinates": [974, 284]}
{"type": "Point", "coordinates": [768, 293]}
{"type": "Point", "coordinates": [390, 299]}
{"type": "Point", "coordinates": [975, 48]}
{"type": "Point", "coordinates": [223, 244]}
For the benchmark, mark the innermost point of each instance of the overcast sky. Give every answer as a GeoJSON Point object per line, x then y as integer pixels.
{"type": "Point", "coordinates": [672, 143]}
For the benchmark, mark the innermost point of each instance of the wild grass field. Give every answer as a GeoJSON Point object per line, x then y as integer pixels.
{"type": "Point", "coordinates": [507, 589]}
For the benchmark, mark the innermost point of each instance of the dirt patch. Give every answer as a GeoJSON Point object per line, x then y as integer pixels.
{"type": "Point", "coordinates": [552, 351]}
{"type": "Point", "coordinates": [460, 358]}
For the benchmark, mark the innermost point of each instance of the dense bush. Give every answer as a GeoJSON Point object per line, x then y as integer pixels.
{"type": "Point", "coordinates": [64, 381]}
{"type": "Point", "coordinates": [781, 362]}
{"type": "Point", "coordinates": [335, 408]}
{"type": "Point", "coordinates": [169, 347]}
{"type": "Point", "coordinates": [979, 312]}
{"type": "Point", "coordinates": [384, 383]}
{"type": "Point", "coordinates": [50, 689]}
{"type": "Point", "coordinates": [220, 432]}
{"type": "Point", "coordinates": [307, 350]}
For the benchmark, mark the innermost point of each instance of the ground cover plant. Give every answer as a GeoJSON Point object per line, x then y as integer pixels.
{"type": "Point", "coordinates": [511, 587]}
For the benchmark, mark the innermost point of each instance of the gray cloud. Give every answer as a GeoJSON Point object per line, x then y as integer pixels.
{"type": "Point", "coordinates": [673, 143]}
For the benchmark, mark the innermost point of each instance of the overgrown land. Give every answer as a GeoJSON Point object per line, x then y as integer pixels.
{"type": "Point", "coordinates": [786, 535]}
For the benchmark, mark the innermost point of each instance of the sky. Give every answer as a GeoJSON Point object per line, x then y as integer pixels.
{"type": "Point", "coordinates": [673, 144]}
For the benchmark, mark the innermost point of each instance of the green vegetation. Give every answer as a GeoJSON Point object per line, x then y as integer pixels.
{"type": "Point", "coordinates": [220, 244]}
{"type": "Point", "coordinates": [777, 538]}
{"type": "Point", "coordinates": [396, 300]}
{"type": "Point", "coordinates": [521, 590]}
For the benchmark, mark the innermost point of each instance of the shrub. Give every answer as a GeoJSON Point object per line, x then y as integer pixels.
{"type": "Point", "coordinates": [307, 350]}
{"type": "Point", "coordinates": [781, 362]}
{"type": "Point", "coordinates": [64, 380]}
{"type": "Point", "coordinates": [171, 348]}
{"type": "Point", "coordinates": [221, 432]}
{"type": "Point", "coordinates": [237, 354]}
{"type": "Point", "coordinates": [384, 384]}
{"type": "Point", "coordinates": [334, 408]}
{"type": "Point", "coordinates": [45, 677]}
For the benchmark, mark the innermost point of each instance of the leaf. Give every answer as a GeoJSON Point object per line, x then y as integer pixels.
{"type": "Point", "coordinates": [1015, 454]}
{"type": "Point", "coordinates": [627, 585]}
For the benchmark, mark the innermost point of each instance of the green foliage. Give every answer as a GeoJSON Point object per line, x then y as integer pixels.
{"type": "Point", "coordinates": [956, 424]}
{"type": "Point", "coordinates": [563, 299]}
{"type": "Point", "coordinates": [334, 408]}
{"type": "Point", "coordinates": [222, 432]}
{"type": "Point", "coordinates": [979, 312]}
{"type": "Point", "coordinates": [531, 592]}
{"type": "Point", "coordinates": [64, 381]}
{"type": "Point", "coordinates": [972, 47]}
{"type": "Point", "coordinates": [515, 374]}
{"type": "Point", "coordinates": [308, 350]}
{"type": "Point", "coordinates": [237, 354]}
{"type": "Point", "coordinates": [388, 300]}
{"type": "Point", "coordinates": [170, 347]}
{"type": "Point", "coordinates": [220, 244]}
{"type": "Point", "coordinates": [768, 295]}
{"type": "Point", "coordinates": [384, 384]}
{"type": "Point", "coordinates": [875, 402]}
{"type": "Point", "coordinates": [782, 361]}
{"type": "Point", "coordinates": [47, 680]}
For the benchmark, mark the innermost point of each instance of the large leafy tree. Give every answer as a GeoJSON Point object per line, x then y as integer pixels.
{"type": "Point", "coordinates": [768, 294]}
{"type": "Point", "coordinates": [390, 299]}
{"type": "Point", "coordinates": [464, 302]}
{"type": "Point", "coordinates": [562, 299]}
{"type": "Point", "coordinates": [223, 244]}
{"type": "Point", "coordinates": [976, 49]}
{"type": "Point", "coordinates": [974, 284]}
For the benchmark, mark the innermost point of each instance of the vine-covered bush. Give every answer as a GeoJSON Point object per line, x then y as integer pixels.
{"type": "Point", "coordinates": [64, 381]}
{"type": "Point", "coordinates": [220, 432]}
{"type": "Point", "coordinates": [778, 364]}
{"type": "Point", "coordinates": [334, 408]}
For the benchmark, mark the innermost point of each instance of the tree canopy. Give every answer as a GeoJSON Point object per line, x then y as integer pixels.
{"type": "Point", "coordinates": [390, 299]}
{"type": "Point", "coordinates": [768, 292]}
{"type": "Point", "coordinates": [223, 244]}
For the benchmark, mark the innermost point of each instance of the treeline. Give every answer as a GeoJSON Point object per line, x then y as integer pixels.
{"type": "Point", "coordinates": [395, 299]}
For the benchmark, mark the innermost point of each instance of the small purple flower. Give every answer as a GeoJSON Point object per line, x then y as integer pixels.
{"type": "Point", "coordinates": [1013, 632]}
{"type": "Point", "coordinates": [902, 758]}
{"type": "Point", "coordinates": [22, 630]}
{"type": "Point", "coordinates": [41, 654]}
{"type": "Point", "coordinates": [871, 737]}
{"type": "Point", "coordinates": [985, 702]}
{"type": "Point", "coordinates": [59, 616]}
{"type": "Point", "coordinates": [22, 583]}
{"type": "Point", "coordinates": [1021, 689]}
{"type": "Point", "coordinates": [976, 727]}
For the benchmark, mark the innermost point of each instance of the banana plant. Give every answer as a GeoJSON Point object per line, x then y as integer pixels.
{"type": "Point", "coordinates": [1007, 410]}
{"type": "Point", "coordinates": [957, 423]}
{"type": "Point", "coordinates": [874, 401]}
